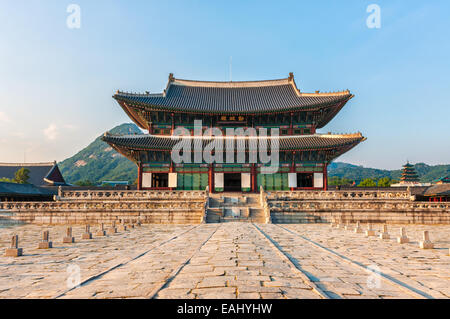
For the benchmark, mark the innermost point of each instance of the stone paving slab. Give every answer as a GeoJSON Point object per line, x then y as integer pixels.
{"type": "Point", "coordinates": [227, 261]}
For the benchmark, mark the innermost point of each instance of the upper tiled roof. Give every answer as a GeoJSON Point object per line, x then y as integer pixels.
{"type": "Point", "coordinates": [300, 142]}
{"type": "Point", "coordinates": [40, 173]}
{"type": "Point", "coordinates": [232, 97]}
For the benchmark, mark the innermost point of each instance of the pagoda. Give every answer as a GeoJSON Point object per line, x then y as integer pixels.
{"type": "Point", "coordinates": [206, 111]}
{"type": "Point", "coordinates": [409, 177]}
{"type": "Point", "coordinates": [409, 174]}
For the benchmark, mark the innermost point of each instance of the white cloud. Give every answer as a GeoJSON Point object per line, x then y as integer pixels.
{"type": "Point", "coordinates": [4, 118]}
{"type": "Point", "coordinates": [51, 132]}
{"type": "Point", "coordinates": [70, 127]}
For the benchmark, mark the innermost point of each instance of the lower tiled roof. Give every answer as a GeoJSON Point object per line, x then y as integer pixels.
{"type": "Point", "coordinates": [40, 173]}
{"type": "Point", "coordinates": [301, 142]}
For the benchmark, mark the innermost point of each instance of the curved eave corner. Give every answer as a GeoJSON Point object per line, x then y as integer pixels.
{"type": "Point", "coordinates": [337, 108]}
{"type": "Point", "coordinates": [131, 113]}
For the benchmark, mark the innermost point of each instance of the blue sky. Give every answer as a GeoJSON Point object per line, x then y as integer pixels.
{"type": "Point", "coordinates": [56, 83]}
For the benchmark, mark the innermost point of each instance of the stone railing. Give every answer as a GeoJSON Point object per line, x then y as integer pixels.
{"type": "Point", "coordinates": [128, 195]}
{"type": "Point", "coordinates": [368, 205]}
{"type": "Point", "coordinates": [96, 211]}
{"type": "Point", "coordinates": [265, 205]}
{"type": "Point", "coordinates": [339, 195]}
{"type": "Point", "coordinates": [71, 206]}
{"type": "Point", "coordinates": [206, 205]}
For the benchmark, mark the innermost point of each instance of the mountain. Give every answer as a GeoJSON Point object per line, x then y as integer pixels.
{"type": "Point", "coordinates": [100, 162]}
{"type": "Point", "coordinates": [427, 173]}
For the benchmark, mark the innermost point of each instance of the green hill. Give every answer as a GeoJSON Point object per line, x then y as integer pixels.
{"type": "Point", "coordinates": [427, 173]}
{"type": "Point", "coordinates": [99, 162]}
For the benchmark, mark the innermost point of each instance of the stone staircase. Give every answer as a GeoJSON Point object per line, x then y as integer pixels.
{"type": "Point", "coordinates": [234, 207]}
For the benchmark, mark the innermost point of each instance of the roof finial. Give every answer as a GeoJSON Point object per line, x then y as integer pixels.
{"type": "Point", "coordinates": [291, 76]}
{"type": "Point", "coordinates": [171, 78]}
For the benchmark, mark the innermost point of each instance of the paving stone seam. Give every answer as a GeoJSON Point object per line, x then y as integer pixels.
{"type": "Point", "coordinates": [101, 274]}
{"type": "Point", "coordinates": [389, 279]}
{"type": "Point", "coordinates": [176, 271]}
{"type": "Point", "coordinates": [292, 265]}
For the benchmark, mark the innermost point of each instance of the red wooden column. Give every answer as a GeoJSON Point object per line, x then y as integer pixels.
{"type": "Point", "coordinates": [254, 188]}
{"type": "Point", "coordinates": [211, 178]}
{"type": "Point", "coordinates": [292, 170]}
{"type": "Point", "coordinates": [291, 130]}
{"type": "Point", "coordinates": [325, 177]}
{"type": "Point", "coordinates": [173, 123]}
{"type": "Point", "coordinates": [171, 171]}
{"type": "Point", "coordinates": [139, 183]}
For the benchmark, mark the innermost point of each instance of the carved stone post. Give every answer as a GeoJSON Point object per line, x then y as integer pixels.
{"type": "Point", "coordinates": [426, 243]}
{"type": "Point", "coordinates": [101, 231]}
{"type": "Point", "coordinates": [112, 230]}
{"type": "Point", "coordinates": [358, 229]}
{"type": "Point", "coordinates": [370, 231]}
{"type": "Point", "coordinates": [403, 239]}
{"type": "Point", "coordinates": [14, 250]}
{"type": "Point", "coordinates": [122, 226]}
{"type": "Point", "coordinates": [384, 234]}
{"type": "Point", "coordinates": [69, 239]}
{"type": "Point", "coordinates": [45, 243]}
{"type": "Point", "coordinates": [87, 233]}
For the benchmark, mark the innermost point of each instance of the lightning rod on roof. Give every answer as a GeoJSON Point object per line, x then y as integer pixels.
{"type": "Point", "coordinates": [231, 69]}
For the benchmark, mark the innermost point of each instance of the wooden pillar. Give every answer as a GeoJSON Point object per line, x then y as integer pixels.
{"type": "Point", "coordinates": [211, 178]}
{"type": "Point", "coordinates": [292, 169]}
{"type": "Point", "coordinates": [173, 124]}
{"type": "Point", "coordinates": [254, 181]}
{"type": "Point", "coordinates": [171, 171]}
{"type": "Point", "coordinates": [325, 177]}
{"type": "Point", "coordinates": [291, 130]}
{"type": "Point", "coordinates": [139, 183]}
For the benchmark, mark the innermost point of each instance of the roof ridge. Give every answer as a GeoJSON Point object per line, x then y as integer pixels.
{"type": "Point", "coordinates": [29, 164]}
{"type": "Point", "coordinates": [327, 135]}
{"type": "Point", "coordinates": [230, 84]}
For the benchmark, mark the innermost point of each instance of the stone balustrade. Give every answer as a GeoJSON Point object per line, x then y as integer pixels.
{"type": "Point", "coordinates": [104, 207]}
{"type": "Point", "coordinates": [357, 205]}
{"type": "Point", "coordinates": [128, 195]}
{"type": "Point", "coordinates": [100, 205]}
{"type": "Point", "coordinates": [339, 195]}
{"type": "Point", "coordinates": [350, 210]}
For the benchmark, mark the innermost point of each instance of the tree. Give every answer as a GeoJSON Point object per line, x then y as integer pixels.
{"type": "Point", "coordinates": [21, 176]}
{"type": "Point", "coordinates": [85, 182]}
{"type": "Point", "coordinates": [384, 182]}
{"type": "Point", "coordinates": [368, 182]}
{"type": "Point", "coordinates": [7, 180]}
{"type": "Point", "coordinates": [339, 181]}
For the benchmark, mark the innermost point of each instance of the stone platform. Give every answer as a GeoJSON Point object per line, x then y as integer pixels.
{"type": "Point", "coordinates": [196, 207]}
{"type": "Point", "coordinates": [230, 260]}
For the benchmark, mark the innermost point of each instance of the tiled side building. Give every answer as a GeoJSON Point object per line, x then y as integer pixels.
{"type": "Point", "coordinates": [303, 155]}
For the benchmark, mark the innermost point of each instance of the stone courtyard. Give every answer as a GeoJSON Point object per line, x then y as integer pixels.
{"type": "Point", "coordinates": [227, 261]}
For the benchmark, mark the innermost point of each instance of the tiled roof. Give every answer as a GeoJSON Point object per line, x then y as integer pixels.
{"type": "Point", "coordinates": [438, 190]}
{"type": "Point", "coordinates": [24, 189]}
{"type": "Point", "coordinates": [232, 97]}
{"type": "Point", "coordinates": [301, 142]}
{"type": "Point", "coordinates": [40, 173]}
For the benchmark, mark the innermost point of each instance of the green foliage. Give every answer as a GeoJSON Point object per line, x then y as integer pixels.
{"type": "Point", "coordinates": [368, 182]}
{"type": "Point", "coordinates": [339, 181]}
{"type": "Point", "coordinates": [84, 183]}
{"type": "Point", "coordinates": [99, 162]}
{"type": "Point", "coordinates": [22, 176]}
{"type": "Point", "coordinates": [385, 182]}
{"type": "Point", "coordinates": [7, 180]}
{"type": "Point", "coordinates": [356, 173]}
